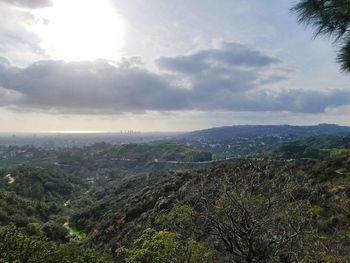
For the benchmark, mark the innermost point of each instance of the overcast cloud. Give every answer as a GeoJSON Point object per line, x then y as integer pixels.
{"type": "Point", "coordinates": [231, 77]}
{"type": "Point", "coordinates": [17, 42]}
{"type": "Point", "coordinates": [29, 3]}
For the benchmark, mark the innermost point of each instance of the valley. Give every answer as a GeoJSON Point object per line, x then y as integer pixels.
{"type": "Point", "coordinates": [104, 196]}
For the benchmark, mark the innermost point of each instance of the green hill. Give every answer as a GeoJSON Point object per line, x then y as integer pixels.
{"type": "Point", "coordinates": [160, 152]}
{"type": "Point", "coordinates": [312, 147]}
{"type": "Point", "coordinates": [247, 210]}
{"type": "Point", "coordinates": [216, 204]}
{"type": "Point", "coordinates": [33, 198]}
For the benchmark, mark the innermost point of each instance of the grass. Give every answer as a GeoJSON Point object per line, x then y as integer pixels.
{"type": "Point", "coordinates": [343, 171]}
{"type": "Point", "coordinates": [340, 153]}
{"type": "Point", "coordinates": [75, 233]}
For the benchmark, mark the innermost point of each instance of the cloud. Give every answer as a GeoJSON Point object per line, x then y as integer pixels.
{"type": "Point", "coordinates": [296, 100]}
{"type": "Point", "coordinates": [32, 4]}
{"type": "Point", "coordinates": [230, 78]}
{"type": "Point", "coordinates": [229, 55]}
{"type": "Point", "coordinates": [233, 67]}
{"type": "Point", "coordinates": [89, 87]}
{"type": "Point", "coordinates": [17, 41]}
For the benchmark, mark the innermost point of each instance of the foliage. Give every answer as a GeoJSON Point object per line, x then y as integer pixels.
{"type": "Point", "coordinates": [55, 231]}
{"type": "Point", "coordinates": [257, 215]}
{"type": "Point", "coordinates": [34, 200]}
{"type": "Point", "coordinates": [294, 151]}
{"type": "Point", "coordinates": [15, 246]}
{"type": "Point", "coordinates": [320, 147]}
{"type": "Point", "coordinates": [164, 247]}
{"type": "Point", "coordinates": [330, 18]}
{"type": "Point", "coordinates": [271, 210]}
{"type": "Point", "coordinates": [340, 153]}
{"type": "Point", "coordinates": [179, 218]}
{"type": "Point", "coordinates": [161, 152]}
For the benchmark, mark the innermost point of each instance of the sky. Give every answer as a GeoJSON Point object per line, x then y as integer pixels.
{"type": "Point", "coordinates": [156, 65]}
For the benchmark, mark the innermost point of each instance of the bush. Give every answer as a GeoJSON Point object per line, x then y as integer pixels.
{"type": "Point", "coordinates": [55, 231]}
{"type": "Point", "coordinates": [15, 246]}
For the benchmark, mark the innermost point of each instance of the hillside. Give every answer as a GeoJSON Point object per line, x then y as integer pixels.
{"type": "Point", "coordinates": [124, 203]}
{"type": "Point", "coordinates": [33, 199]}
{"type": "Point", "coordinates": [243, 140]}
{"type": "Point", "coordinates": [159, 152]}
{"type": "Point", "coordinates": [302, 192]}
{"type": "Point", "coordinates": [229, 132]}
{"type": "Point", "coordinates": [311, 147]}
{"type": "Point", "coordinates": [16, 246]}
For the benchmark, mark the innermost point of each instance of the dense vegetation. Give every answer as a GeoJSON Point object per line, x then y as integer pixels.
{"type": "Point", "coordinates": [289, 206]}
{"type": "Point", "coordinates": [312, 147]}
{"type": "Point", "coordinates": [15, 246]}
{"type": "Point", "coordinates": [160, 152]}
{"type": "Point", "coordinates": [211, 205]}
{"type": "Point", "coordinates": [33, 199]}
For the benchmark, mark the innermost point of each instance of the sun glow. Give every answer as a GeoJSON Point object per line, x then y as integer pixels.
{"type": "Point", "coordinates": [75, 30]}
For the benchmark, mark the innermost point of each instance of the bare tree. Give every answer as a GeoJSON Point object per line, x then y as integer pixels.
{"type": "Point", "coordinates": [259, 215]}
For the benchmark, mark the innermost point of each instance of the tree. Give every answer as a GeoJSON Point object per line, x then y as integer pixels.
{"type": "Point", "coordinates": [330, 18]}
{"type": "Point", "coordinates": [260, 215]}
{"type": "Point", "coordinates": [16, 246]}
{"type": "Point", "coordinates": [55, 231]}
{"type": "Point", "coordinates": [165, 247]}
